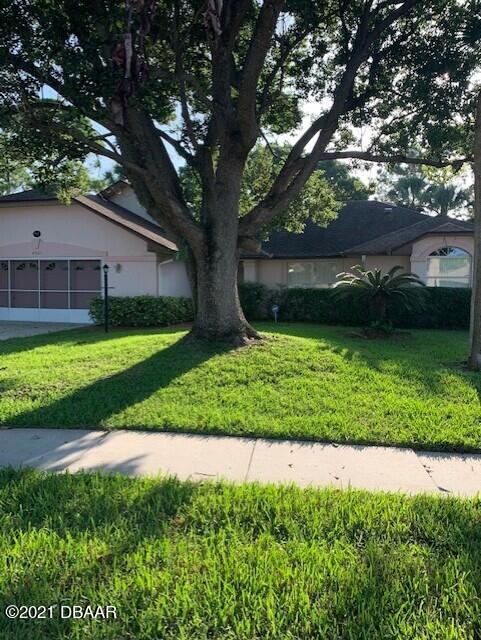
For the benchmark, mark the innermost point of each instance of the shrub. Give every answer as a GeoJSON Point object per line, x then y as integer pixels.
{"type": "Point", "coordinates": [381, 291]}
{"type": "Point", "coordinates": [257, 300]}
{"type": "Point", "coordinates": [143, 311]}
{"type": "Point", "coordinates": [443, 307]}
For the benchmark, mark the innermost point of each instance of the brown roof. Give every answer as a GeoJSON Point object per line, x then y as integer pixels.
{"type": "Point", "coordinates": [127, 219]}
{"type": "Point", "coordinates": [362, 227]}
{"type": "Point", "coordinates": [430, 225]}
{"type": "Point", "coordinates": [105, 208]}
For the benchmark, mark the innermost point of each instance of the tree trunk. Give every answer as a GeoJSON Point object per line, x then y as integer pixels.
{"type": "Point", "coordinates": [378, 308]}
{"type": "Point", "coordinates": [218, 313]}
{"type": "Point", "coordinates": [474, 361]}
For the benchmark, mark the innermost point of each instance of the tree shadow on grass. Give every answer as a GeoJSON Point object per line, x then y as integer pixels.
{"type": "Point", "coordinates": [83, 538]}
{"type": "Point", "coordinates": [79, 336]}
{"type": "Point", "coordinates": [74, 535]}
{"type": "Point", "coordinates": [92, 405]}
{"type": "Point", "coordinates": [406, 360]}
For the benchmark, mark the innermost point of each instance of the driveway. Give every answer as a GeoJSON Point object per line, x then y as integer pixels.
{"type": "Point", "coordinates": [25, 329]}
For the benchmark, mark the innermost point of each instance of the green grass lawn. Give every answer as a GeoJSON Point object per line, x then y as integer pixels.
{"type": "Point", "coordinates": [222, 562]}
{"type": "Point", "coordinates": [305, 381]}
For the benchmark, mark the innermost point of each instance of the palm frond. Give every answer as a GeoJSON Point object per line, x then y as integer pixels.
{"type": "Point", "coordinates": [381, 289]}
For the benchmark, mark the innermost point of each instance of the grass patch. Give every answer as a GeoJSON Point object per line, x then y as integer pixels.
{"type": "Point", "coordinates": [306, 381]}
{"type": "Point", "coordinates": [214, 561]}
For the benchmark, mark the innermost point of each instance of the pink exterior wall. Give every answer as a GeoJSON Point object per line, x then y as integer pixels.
{"type": "Point", "coordinates": [273, 273]}
{"type": "Point", "coordinates": [425, 246]}
{"type": "Point", "coordinates": [76, 232]}
{"type": "Point", "coordinates": [173, 280]}
{"type": "Point", "coordinates": [126, 198]}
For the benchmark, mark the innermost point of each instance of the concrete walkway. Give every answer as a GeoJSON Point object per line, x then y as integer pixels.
{"type": "Point", "coordinates": [198, 457]}
{"type": "Point", "coordinates": [11, 329]}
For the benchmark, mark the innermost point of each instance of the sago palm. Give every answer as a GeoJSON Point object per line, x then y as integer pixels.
{"type": "Point", "coordinates": [380, 290]}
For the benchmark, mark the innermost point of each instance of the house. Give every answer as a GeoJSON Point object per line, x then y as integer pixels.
{"type": "Point", "coordinates": [51, 255]}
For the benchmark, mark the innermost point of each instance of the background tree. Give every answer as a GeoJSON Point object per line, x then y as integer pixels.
{"type": "Point", "coordinates": [74, 177]}
{"type": "Point", "coordinates": [439, 191]}
{"type": "Point", "coordinates": [343, 181]}
{"type": "Point", "coordinates": [474, 360]}
{"type": "Point", "coordinates": [114, 174]}
{"type": "Point", "coordinates": [14, 179]}
{"type": "Point", "coordinates": [209, 79]}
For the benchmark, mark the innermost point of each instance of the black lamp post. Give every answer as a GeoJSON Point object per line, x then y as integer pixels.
{"type": "Point", "coordinates": [106, 297]}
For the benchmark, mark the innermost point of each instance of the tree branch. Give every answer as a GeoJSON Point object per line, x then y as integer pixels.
{"type": "Point", "coordinates": [366, 156]}
{"type": "Point", "coordinates": [254, 62]}
{"type": "Point", "coordinates": [296, 170]}
{"type": "Point", "coordinates": [188, 157]}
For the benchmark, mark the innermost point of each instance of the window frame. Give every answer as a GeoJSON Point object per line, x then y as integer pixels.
{"type": "Point", "coordinates": [314, 262]}
{"type": "Point", "coordinates": [464, 282]}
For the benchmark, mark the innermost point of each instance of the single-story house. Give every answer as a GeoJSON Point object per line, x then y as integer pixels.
{"type": "Point", "coordinates": [51, 255]}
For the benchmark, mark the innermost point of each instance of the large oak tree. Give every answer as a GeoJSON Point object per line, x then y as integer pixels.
{"type": "Point", "coordinates": [209, 80]}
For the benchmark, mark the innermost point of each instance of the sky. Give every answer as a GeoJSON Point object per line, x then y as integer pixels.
{"type": "Point", "coordinates": [367, 172]}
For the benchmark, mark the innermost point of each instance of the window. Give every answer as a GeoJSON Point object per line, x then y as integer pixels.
{"type": "Point", "coordinates": [311, 274]}
{"type": "Point", "coordinates": [49, 284]}
{"type": "Point", "coordinates": [449, 267]}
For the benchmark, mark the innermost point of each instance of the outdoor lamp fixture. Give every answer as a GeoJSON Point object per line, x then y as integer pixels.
{"type": "Point", "coordinates": [106, 297]}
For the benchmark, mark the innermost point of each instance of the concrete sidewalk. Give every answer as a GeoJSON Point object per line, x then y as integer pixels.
{"type": "Point", "coordinates": [197, 457]}
{"type": "Point", "coordinates": [13, 329]}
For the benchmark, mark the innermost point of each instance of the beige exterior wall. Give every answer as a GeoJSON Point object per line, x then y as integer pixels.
{"type": "Point", "coordinates": [173, 279]}
{"type": "Point", "coordinates": [425, 246]}
{"type": "Point", "coordinates": [76, 232]}
{"type": "Point", "coordinates": [274, 273]}
{"type": "Point", "coordinates": [385, 263]}
{"type": "Point", "coordinates": [126, 198]}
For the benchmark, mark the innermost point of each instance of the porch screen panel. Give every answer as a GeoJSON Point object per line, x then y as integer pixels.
{"type": "Point", "coordinates": [85, 282]}
{"type": "Point", "coordinates": [53, 284]}
{"type": "Point", "coordinates": [49, 283]}
{"type": "Point", "coordinates": [24, 283]}
{"type": "Point", "coordinates": [4, 271]}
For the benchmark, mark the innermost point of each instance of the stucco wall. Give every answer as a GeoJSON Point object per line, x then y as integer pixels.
{"type": "Point", "coordinates": [425, 246]}
{"type": "Point", "coordinates": [127, 199]}
{"type": "Point", "coordinates": [274, 273]}
{"type": "Point", "coordinates": [173, 279]}
{"type": "Point", "coordinates": [385, 263]}
{"type": "Point", "coordinates": [76, 232]}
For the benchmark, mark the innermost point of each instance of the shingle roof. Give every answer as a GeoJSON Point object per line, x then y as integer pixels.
{"type": "Point", "coordinates": [107, 209]}
{"type": "Point", "coordinates": [361, 227]}
{"type": "Point", "coordinates": [125, 218]}
{"type": "Point", "coordinates": [31, 195]}
{"type": "Point", "coordinates": [391, 241]}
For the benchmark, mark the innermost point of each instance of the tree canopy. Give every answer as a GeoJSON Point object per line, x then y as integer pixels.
{"type": "Point", "coordinates": [399, 67]}
{"type": "Point", "coordinates": [139, 80]}
{"type": "Point", "coordinates": [439, 191]}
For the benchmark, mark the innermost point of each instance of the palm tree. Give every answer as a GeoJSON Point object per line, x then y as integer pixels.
{"type": "Point", "coordinates": [447, 198]}
{"type": "Point", "coordinates": [380, 290]}
{"type": "Point", "coordinates": [409, 190]}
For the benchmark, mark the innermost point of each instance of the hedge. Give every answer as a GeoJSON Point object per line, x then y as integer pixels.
{"type": "Point", "coordinates": [143, 311]}
{"type": "Point", "coordinates": [444, 307]}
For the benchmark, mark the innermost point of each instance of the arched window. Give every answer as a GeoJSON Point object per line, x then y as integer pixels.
{"type": "Point", "coordinates": [449, 267]}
